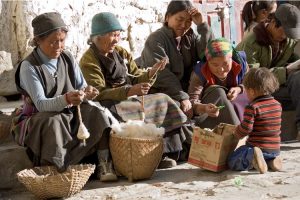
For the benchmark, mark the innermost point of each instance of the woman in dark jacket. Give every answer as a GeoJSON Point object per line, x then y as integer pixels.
{"type": "Point", "coordinates": [184, 47]}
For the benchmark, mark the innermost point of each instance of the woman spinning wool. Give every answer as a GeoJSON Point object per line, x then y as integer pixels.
{"type": "Point", "coordinates": [54, 89]}
{"type": "Point", "coordinates": [124, 87]}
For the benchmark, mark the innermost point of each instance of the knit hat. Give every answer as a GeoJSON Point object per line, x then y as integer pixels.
{"type": "Point", "coordinates": [46, 22]}
{"type": "Point", "coordinates": [289, 17]}
{"type": "Point", "coordinates": [105, 22]}
{"type": "Point", "coordinates": [218, 47]}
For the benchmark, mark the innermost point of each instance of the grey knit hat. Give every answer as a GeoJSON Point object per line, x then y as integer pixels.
{"type": "Point", "coordinates": [47, 22]}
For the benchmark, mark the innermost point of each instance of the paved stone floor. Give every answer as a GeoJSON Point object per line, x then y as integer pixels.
{"type": "Point", "coordinates": [189, 182]}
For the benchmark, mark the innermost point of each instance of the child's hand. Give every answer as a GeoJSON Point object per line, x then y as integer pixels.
{"type": "Point", "coordinates": [233, 93]}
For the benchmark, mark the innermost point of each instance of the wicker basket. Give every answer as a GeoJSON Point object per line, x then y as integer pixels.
{"type": "Point", "coordinates": [45, 182]}
{"type": "Point", "coordinates": [135, 158]}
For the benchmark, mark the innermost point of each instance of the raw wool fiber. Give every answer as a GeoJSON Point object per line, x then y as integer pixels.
{"type": "Point", "coordinates": [138, 129]}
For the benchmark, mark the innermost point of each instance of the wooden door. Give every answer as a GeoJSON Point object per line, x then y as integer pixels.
{"type": "Point", "coordinates": [224, 16]}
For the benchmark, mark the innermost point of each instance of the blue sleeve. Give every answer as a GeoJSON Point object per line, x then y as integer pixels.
{"type": "Point", "coordinates": [80, 81]}
{"type": "Point", "coordinates": [31, 83]}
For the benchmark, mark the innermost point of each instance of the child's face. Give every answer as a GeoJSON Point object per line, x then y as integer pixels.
{"type": "Point", "coordinates": [220, 66]}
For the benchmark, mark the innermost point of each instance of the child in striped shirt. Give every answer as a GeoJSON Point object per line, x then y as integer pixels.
{"type": "Point", "coordinates": [262, 123]}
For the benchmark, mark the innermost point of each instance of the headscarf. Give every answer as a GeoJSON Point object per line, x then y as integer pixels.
{"type": "Point", "coordinates": [218, 47]}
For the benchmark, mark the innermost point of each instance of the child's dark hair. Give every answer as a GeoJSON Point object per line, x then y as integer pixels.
{"type": "Point", "coordinates": [261, 80]}
{"type": "Point", "coordinates": [254, 6]}
{"type": "Point", "coordinates": [176, 6]}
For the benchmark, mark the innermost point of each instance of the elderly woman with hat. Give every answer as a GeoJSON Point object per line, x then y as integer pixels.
{"type": "Point", "coordinates": [123, 87]}
{"type": "Point", "coordinates": [54, 93]}
{"type": "Point", "coordinates": [216, 89]}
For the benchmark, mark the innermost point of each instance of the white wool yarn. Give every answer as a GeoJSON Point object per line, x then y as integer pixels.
{"type": "Point", "coordinates": [137, 129]}
{"type": "Point", "coordinates": [113, 120]}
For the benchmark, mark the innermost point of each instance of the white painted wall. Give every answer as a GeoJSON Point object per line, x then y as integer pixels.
{"type": "Point", "coordinates": [138, 17]}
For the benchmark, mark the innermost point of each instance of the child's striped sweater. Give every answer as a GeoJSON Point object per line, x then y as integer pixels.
{"type": "Point", "coordinates": [262, 122]}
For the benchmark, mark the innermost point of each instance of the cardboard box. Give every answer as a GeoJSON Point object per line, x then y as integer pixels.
{"type": "Point", "coordinates": [211, 148]}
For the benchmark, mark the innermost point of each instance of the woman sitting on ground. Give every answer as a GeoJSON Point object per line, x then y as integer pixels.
{"type": "Point", "coordinates": [216, 89]}
{"type": "Point", "coordinates": [124, 88]}
{"type": "Point", "coordinates": [54, 91]}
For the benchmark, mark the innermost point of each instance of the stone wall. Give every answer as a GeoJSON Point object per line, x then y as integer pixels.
{"type": "Point", "coordinates": [138, 17]}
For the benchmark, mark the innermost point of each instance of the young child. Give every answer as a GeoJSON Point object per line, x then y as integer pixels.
{"type": "Point", "coordinates": [262, 122]}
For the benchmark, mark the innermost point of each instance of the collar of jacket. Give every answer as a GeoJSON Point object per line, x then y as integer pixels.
{"type": "Point", "coordinates": [113, 66]}
{"type": "Point", "coordinates": [210, 78]}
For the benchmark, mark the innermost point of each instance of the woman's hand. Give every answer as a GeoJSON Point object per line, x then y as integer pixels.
{"type": "Point", "coordinates": [196, 16]}
{"type": "Point", "coordinates": [75, 98]}
{"type": "Point", "coordinates": [139, 89]}
{"type": "Point", "coordinates": [186, 107]}
{"type": "Point", "coordinates": [211, 109]}
{"type": "Point", "coordinates": [160, 65]}
{"type": "Point", "coordinates": [91, 92]}
{"type": "Point", "coordinates": [233, 93]}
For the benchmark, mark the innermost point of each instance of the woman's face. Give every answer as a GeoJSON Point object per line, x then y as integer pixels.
{"type": "Point", "coordinates": [220, 66]}
{"type": "Point", "coordinates": [180, 22]}
{"type": "Point", "coordinates": [53, 44]}
{"type": "Point", "coordinates": [107, 43]}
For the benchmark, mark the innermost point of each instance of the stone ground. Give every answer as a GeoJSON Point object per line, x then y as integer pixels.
{"type": "Point", "coordinates": [188, 182]}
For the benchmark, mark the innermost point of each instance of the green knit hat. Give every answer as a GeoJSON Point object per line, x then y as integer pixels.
{"type": "Point", "coordinates": [105, 22]}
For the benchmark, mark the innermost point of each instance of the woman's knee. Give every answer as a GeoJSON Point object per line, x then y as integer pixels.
{"type": "Point", "coordinates": [214, 95]}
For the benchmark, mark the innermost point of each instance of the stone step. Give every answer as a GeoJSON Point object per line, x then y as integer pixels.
{"type": "Point", "coordinates": [288, 126]}
{"type": "Point", "coordinates": [13, 158]}
{"type": "Point", "coordinates": [9, 106]}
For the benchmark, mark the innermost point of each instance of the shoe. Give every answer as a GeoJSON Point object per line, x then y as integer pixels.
{"type": "Point", "coordinates": [275, 164]}
{"type": "Point", "coordinates": [106, 171]}
{"type": "Point", "coordinates": [258, 161]}
{"type": "Point", "coordinates": [167, 162]}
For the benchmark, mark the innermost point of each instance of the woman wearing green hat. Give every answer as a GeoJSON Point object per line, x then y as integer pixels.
{"type": "Point", "coordinates": [55, 96]}
{"type": "Point", "coordinates": [123, 88]}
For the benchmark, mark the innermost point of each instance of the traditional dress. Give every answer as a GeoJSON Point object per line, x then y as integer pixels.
{"type": "Point", "coordinates": [113, 75]}
{"type": "Point", "coordinates": [51, 137]}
